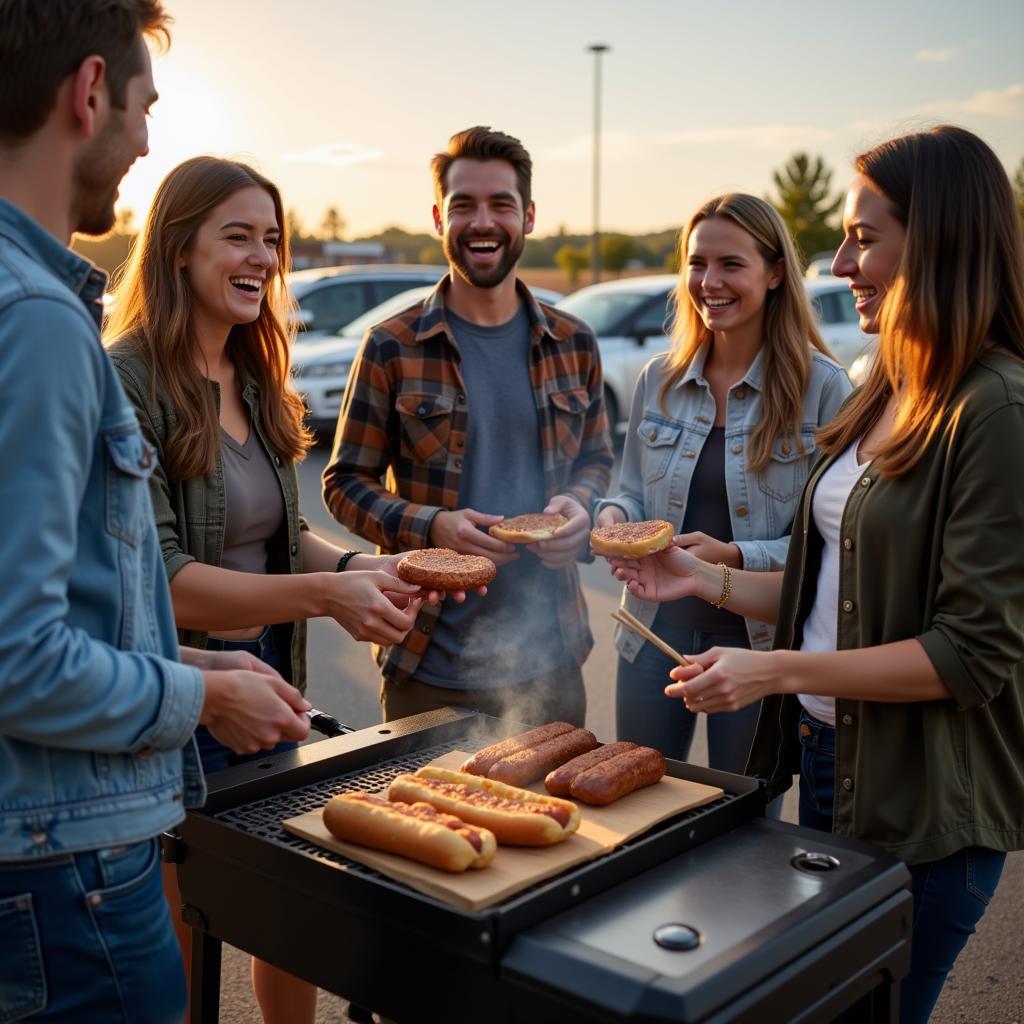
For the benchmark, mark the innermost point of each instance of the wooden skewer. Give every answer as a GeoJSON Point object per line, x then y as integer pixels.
{"type": "Point", "coordinates": [630, 621]}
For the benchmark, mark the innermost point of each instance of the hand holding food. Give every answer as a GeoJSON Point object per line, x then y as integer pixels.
{"type": "Point", "coordinates": [516, 816]}
{"type": "Point", "coordinates": [417, 831]}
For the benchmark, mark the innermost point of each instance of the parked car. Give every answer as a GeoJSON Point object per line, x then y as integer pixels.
{"type": "Point", "coordinates": [330, 298]}
{"type": "Point", "coordinates": [321, 366]}
{"type": "Point", "coordinates": [630, 318]}
{"type": "Point", "coordinates": [839, 324]}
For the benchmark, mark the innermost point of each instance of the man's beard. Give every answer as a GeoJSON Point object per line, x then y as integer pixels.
{"type": "Point", "coordinates": [483, 278]}
{"type": "Point", "coordinates": [97, 176]}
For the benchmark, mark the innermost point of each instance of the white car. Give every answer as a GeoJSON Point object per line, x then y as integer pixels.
{"type": "Point", "coordinates": [329, 298]}
{"type": "Point", "coordinates": [630, 318]}
{"type": "Point", "coordinates": [321, 366]}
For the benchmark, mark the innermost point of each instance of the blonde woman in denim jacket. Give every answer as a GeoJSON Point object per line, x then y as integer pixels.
{"type": "Point", "coordinates": [720, 442]}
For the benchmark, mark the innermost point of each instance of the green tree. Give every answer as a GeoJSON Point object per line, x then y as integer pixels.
{"type": "Point", "coordinates": [616, 252]}
{"type": "Point", "coordinates": [1018, 189]}
{"type": "Point", "coordinates": [293, 223]}
{"type": "Point", "coordinates": [572, 261]}
{"type": "Point", "coordinates": [332, 227]}
{"type": "Point", "coordinates": [805, 206]}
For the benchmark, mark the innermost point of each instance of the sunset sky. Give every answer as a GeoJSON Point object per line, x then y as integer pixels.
{"type": "Point", "coordinates": [342, 102]}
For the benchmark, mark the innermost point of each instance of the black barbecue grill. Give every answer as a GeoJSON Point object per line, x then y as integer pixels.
{"type": "Point", "coordinates": [715, 915]}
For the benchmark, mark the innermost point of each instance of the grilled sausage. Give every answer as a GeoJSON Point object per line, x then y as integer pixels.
{"type": "Point", "coordinates": [526, 766]}
{"type": "Point", "coordinates": [517, 817]}
{"type": "Point", "coordinates": [558, 781]}
{"type": "Point", "coordinates": [483, 760]}
{"type": "Point", "coordinates": [618, 776]}
{"type": "Point", "coordinates": [417, 831]}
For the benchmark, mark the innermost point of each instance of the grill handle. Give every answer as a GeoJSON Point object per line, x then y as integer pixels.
{"type": "Point", "coordinates": [327, 724]}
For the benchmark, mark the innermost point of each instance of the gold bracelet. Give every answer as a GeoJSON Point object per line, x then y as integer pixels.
{"type": "Point", "coordinates": [726, 585]}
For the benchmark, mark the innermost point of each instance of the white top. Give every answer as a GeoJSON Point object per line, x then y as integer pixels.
{"type": "Point", "coordinates": [821, 625]}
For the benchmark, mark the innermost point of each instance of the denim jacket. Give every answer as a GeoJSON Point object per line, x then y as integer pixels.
{"type": "Point", "coordinates": [96, 712]}
{"type": "Point", "coordinates": [662, 449]}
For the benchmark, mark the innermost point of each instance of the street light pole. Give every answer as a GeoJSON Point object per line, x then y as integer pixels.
{"type": "Point", "coordinates": [597, 49]}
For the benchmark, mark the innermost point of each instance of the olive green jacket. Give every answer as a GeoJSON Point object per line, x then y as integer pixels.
{"type": "Point", "coordinates": [190, 514]}
{"type": "Point", "coordinates": [937, 555]}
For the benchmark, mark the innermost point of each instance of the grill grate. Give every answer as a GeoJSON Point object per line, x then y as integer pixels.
{"type": "Point", "coordinates": [262, 818]}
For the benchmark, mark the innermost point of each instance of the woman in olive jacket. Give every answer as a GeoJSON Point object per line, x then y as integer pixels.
{"type": "Point", "coordinates": [896, 686]}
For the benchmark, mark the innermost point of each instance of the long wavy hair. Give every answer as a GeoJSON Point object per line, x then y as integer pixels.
{"type": "Point", "coordinates": [959, 286]}
{"type": "Point", "coordinates": [790, 332]}
{"type": "Point", "coordinates": [153, 306]}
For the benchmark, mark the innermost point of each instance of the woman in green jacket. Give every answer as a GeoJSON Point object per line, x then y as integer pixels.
{"type": "Point", "coordinates": [896, 686]}
{"type": "Point", "coordinates": [203, 352]}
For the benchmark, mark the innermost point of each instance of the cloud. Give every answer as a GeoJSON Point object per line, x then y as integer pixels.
{"type": "Point", "coordinates": [1000, 103]}
{"type": "Point", "coordinates": [936, 56]}
{"type": "Point", "coordinates": [334, 154]}
{"type": "Point", "coordinates": [626, 145]}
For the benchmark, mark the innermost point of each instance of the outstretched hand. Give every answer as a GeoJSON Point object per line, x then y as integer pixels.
{"type": "Point", "coordinates": [374, 606]}
{"type": "Point", "coordinates": [570, 538]}
{"type": "Point", "coordinates": [664, 576]}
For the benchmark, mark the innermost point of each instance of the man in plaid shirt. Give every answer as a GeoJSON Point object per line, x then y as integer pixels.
{"type": "Point", "coordinates": [476, 404]}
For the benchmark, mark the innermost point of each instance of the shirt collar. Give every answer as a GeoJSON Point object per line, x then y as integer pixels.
{"type": "Point", "coordinates": [78, 274]}
{"type": "Point", "coordinates": [753, 377]}
{"type": "Point", "coordinates": [543, 320]}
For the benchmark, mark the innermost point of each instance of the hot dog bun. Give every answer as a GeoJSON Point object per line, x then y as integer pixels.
{"type": "Point", "coordinates": [528, 765]}
{"type": "Point", "coordinates": [483, 760]}
{"type": "Point", "coordinates": [557, 782]}
{"type": "Point", "coordinates": [631, 540]}
{"type": "Point", "coordinates": [444, 569]}
{"type": "Point", "coordinates": [417, 831]}
{"type": "Point", "coordinates": [516, 816]}
{"type": "Point", "coordinates": [529, 528]}
{"type": "Point", "coordinates": [608, 781]}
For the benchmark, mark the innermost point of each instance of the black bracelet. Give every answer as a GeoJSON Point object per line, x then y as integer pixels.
{"type": "Point", "coordinates": [343, 561]}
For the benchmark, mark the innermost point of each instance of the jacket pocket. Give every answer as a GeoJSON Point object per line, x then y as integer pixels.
{"type": "Point", "coordinates": [657, 443]}
{"type": "Point", "coordinates": [569, 408]}
{"type": "Point", "coordinates": [426, 425]}
{"type": "Point", "coordinates": [22, 982]}
{"type": "Point", "coordinates": [785, 475]}
{"type": "Point", "coordinates": [130, 461]}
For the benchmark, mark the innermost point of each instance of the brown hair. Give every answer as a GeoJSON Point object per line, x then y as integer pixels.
{"type": "Point", "coordinates": [481, 143]}
{"type": "Point", "coordinates": [42, 42]}
{"type": "Point", "coordinates": [959, 285]}
{"type": "Point", "coordinates": [153, 303]}
{"type": "Point", "coordinates": [790, 332]}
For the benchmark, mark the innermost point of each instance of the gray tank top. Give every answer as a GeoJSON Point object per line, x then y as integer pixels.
{"type": "Point", "coordinates": [255, 503]}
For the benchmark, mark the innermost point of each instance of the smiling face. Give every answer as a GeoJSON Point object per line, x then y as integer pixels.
{"type": "Point", "coordinates": [871, 249]}
{"type": "Point", "coordinates": [727, 277]}
{"type": "Point", "coordinates": [482, 222]}
{"type": "Point", "coordinates": [233, 258]}
{"type": "Point", "coordinates": [122, 140]}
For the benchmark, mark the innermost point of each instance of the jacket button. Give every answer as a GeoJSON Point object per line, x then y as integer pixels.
{"type": "Point", "coordinates": [277, 461]}
{"type": "Point", "coordinates": [94, 899]}
{"type": "Point", "coordinates": [847, 719]}
{"type": "Point", "coordinates": [458, 442]}
{"type": "Point", "coordinates": [848, 543]}
{"type": "Point", "coordinates": [785, 448]}
{"type": "Point", "coordinates": [737, 448]}
{"type": "Point", "coordinates": [652, 436]}
{"type": "Point", "coordinates": [741, 511]}
{"type": "Point", "coordinates": [691, 454]}
{"type": "Point", "coordinates": [458, 463]}
{"type": "Point", "coordinates": [422, 410]}
{"type": "Point", "coordinates": [295, 549]}
{"type": "Point", "coordinates": [424, 629]}
{"type": "Point", "coordinates": [847, 784]}
{"type": "Point", "coordinates": [740, 393]}
{"type": "Point", "coordinates": [39, 837]}
{"type": "Point", "coordinates": [865, 481]}
{"type": "Point", "coordinates": [675, 504]}
{"type": "Point", "coordinates": [460, 398]}
{"type": "Point", "coordinates": [147, 752]}
{"type": "Point", "coordinates": [848, 605]}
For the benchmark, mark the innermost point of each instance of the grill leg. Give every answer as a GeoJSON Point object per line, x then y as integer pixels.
{"type": "Point", "coordinates": [204, 1003]}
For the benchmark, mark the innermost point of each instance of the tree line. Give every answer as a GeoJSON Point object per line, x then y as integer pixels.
{"type": "Point", "coordinates": [803, 196]}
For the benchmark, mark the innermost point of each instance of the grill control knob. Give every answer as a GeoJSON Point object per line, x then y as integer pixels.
{"type": "Point", "coordinates": [679, 938]}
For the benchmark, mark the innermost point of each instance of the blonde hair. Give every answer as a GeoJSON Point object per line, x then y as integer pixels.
{"type": "Point", "coordinates": [153, 307]}
{"type": "Point", "coordinates": [959, 285]}
{"type": "Point", "coordinates": [790, 332]}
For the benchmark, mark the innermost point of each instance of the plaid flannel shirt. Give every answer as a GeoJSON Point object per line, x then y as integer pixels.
{"type": "Point", "coordinates": [397, 456]}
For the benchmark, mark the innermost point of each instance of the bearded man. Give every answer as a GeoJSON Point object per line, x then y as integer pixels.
{"type": "Point", "coordinates": [476, 404]}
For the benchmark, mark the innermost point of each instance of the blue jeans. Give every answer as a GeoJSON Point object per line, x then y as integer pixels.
{"type": "Point", "coordinates": [950, 895]}
{"type": "Point", "coordinates": [214, 755]}
{"type": "Point", "coordinates": [87, 937]}
{"type": "Point", "coordinates": [645, 715]}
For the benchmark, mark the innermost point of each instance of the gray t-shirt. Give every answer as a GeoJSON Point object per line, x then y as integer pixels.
{"type": "Point", "coordinates": [254, 503]}
{"type": "Point", "coordinates": [512, 635]}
